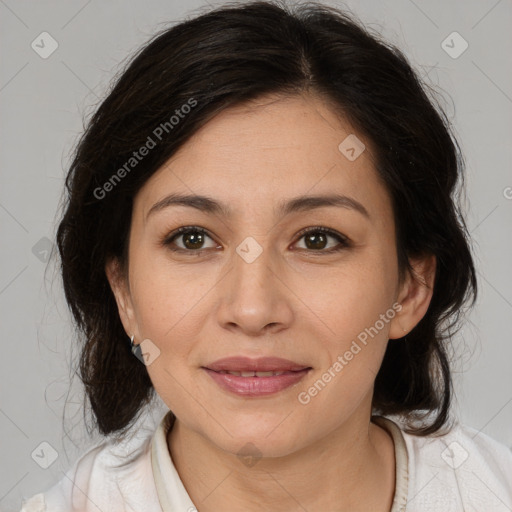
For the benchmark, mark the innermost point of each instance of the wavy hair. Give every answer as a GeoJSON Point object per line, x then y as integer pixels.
{"type": "Point", "coordinates": [222, 58]}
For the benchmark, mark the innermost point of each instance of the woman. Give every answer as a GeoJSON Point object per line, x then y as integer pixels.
{"type": "Point", "coordinates": [261, 230]}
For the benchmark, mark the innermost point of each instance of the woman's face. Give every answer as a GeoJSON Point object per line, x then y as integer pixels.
{"type": "Point", "coordinates": [255, 286]}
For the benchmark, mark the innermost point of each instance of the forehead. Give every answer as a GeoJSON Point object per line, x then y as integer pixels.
{"type": "Point", "coordinates": [268, 149]}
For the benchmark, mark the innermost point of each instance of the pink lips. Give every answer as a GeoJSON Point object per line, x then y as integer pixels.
{"type": "Point", "coordinates": [255, 385]}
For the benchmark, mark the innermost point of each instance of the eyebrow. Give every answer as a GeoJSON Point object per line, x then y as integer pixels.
{"type": "Point", "coordinates": [297, 204]}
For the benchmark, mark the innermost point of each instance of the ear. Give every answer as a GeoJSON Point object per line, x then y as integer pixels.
{"type": "Point", "coordinates": [121, 290]}
{"type": "Point", "coordinates": [414, 296]}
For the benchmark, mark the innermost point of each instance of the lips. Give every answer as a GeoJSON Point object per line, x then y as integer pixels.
{"type": "Point", "coordinates": [241, 364]}
{"type": "Point", "coordinates": [248, 377]}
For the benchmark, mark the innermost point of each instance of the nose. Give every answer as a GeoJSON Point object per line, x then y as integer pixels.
{"type": "Point", "coordinates": [253, 297]}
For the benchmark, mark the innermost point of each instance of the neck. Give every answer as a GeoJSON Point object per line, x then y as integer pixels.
{"type": "Point", "coordinates": [351, 469]}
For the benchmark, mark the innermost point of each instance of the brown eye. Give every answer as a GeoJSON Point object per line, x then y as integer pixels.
{"type": "Point", "coordinates": [317, 239]}
{"type": "Point", "coordinates": [192, 239]}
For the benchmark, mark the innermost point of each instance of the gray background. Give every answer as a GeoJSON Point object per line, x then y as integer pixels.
{"type": "Point", "coordinates": [42, 104]}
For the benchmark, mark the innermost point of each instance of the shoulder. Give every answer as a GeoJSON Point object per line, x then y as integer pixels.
{"type": "Point", "coordinates": [458, 469]}
{"type": "Point", "coordinates": [114, 476]}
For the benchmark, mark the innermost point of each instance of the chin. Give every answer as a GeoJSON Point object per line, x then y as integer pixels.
{"type": "Point", "coordinates": [258, 438]}
{"type": "Point", "coordinates": [256, 448]}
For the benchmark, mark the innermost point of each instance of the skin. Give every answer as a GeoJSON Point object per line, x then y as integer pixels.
{"type": "Point", "coordinates": [294, 301]}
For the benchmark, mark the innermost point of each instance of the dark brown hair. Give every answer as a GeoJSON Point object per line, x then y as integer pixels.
{"type": "Point", "coordinates": [220, 59]}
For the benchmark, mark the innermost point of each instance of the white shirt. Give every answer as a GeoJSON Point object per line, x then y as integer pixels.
{"type": "Point", "coordinates": [462, 471]}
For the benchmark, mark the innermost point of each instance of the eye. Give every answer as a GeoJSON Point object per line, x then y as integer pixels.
{"type": "Point", "coordinates": [192, 239]}
{"type": "Point", "coordinates": [316, 239]}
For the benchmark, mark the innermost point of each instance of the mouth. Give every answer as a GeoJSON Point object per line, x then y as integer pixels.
{"type": "Point", "coordinates": [255, 377]}
{"type": "Point", "coordinates": [239, 364]}
{"type": "Point", "coordinates": [257, 374]}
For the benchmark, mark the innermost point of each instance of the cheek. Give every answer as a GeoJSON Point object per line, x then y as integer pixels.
{"type": "Point", "coordinates": [350, 297]}
{"type": "Point", "coordinates": [165, 295]}
{"type": "Point", "coordinates": [171, 305]}
{"type": "Point", "coordinates": [353, 310]}
{"type": "Point", "coordinates": [351, 357]}
{"type": "Point", "coordinates": [168, 314]}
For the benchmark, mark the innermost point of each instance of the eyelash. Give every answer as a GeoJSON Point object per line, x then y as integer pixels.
{"type": "Point", "coordinates": [344, 242]}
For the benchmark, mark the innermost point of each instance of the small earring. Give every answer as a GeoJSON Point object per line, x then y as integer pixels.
{"type": "Point", "coordinates": [135, 348]}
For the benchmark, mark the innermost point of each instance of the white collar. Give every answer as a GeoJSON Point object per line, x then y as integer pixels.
{"type": "Point", "coordinates": [171, 492]}
{"type": "Point", "coordinates": [173, 496]}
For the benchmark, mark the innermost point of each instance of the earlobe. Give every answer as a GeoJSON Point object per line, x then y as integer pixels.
{"type": "Point", "coordinates": [119, 286]}
{"type": "Point", "coordinates": [414, 296]}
